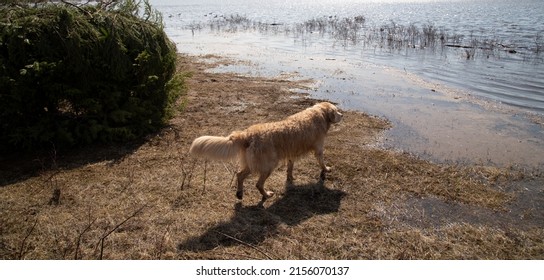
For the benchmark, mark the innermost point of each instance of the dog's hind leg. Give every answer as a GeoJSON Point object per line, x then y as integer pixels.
{"type": "Point", "coordinates": [260, 186]}
{"type": "Point", "coordinates": [290, 164]}
{"type": "Point", "coordinates": [241, 176]}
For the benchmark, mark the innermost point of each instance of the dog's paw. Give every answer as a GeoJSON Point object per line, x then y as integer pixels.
{"type": "Point", "coordinates": [268, 195]}
{"type": "Point", "coordinates": [240, 194]}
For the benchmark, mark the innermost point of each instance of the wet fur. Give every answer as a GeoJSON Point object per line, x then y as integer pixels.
{"type": "Point", "coordinates": [261, 147]}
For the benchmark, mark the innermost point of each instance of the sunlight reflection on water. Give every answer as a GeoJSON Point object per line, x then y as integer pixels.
{"type": "Point", "coordinates": [428, 95]}
{"type": "Point", "coordinates": [515, 78]}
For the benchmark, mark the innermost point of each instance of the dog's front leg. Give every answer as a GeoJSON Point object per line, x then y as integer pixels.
{"type": "Point", "coordinates": [241, 176]}
{"type": "Point", "coordinates": [321, 161]}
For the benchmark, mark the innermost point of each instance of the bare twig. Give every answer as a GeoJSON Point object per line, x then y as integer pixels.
{"type": "Point", "coordinates": [227, 168]}
{"type": "Point", "coordinates": [187, 174]}
{"type": "Point", "coordinates": [162, 242]}
{"type": "Point", "coordinates": [245, 244]}
{"type": "Point", "coordinates": [230, 171]}
{"type": "Point", "coordinates": [205, 169]}
{"type": "Point", "coordinates": [242, 256]}
{"type": "Point", "coordinates": [77, 7]}
{"type": "Point", "coordinates": [115, 228]}
{"type": "Point", "coordinates": [21, 250]}
{"type": "Point", "coordinates": [103, 4]}
{"type": "Point", "coordinates": [78, 242]}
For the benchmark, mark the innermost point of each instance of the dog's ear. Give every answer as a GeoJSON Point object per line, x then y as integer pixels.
{"type": "Point", "coordinates": [333, 114]}
{"type": "Point", "coordinates": [330, 114]}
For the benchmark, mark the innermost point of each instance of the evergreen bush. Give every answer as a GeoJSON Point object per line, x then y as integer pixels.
{"type": "Point", "coordinates": [72, 75]}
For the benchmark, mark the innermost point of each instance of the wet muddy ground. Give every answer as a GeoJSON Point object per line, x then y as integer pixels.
{"type": "Point", "coordinates": [152, 200]}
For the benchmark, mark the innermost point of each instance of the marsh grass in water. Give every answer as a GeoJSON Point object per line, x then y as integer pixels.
{"type": "Point", "coordinates": [392, 36]}
{"type": "Point", "coordinates": [151, 200]}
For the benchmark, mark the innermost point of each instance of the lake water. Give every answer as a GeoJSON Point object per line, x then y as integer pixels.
{"type": "Point", "coordinates": [512, 78]}
{"type": "Point", "coordinates": [467, 95]}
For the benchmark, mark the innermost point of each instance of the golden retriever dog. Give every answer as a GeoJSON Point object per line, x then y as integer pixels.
{"type": "Point", "coordinates": [260, 147]}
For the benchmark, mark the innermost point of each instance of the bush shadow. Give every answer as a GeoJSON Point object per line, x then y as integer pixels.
{"type": "Point", "coordinates": [252, 225]}
{"type": "Point", "coordinates": [19, 166]}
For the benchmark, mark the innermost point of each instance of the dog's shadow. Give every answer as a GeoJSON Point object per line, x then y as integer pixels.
{"type": "Point", "coordinates": [251, 225]}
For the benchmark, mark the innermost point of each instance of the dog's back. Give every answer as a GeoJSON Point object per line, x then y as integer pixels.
{"type": "Point", "coordinates": [290, 138]}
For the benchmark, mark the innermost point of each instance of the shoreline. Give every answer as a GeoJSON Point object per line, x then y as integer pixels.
{"type": "Point", "coordinates": [432, 120]}
{"type": "Point", "coordinates": [165, 204]}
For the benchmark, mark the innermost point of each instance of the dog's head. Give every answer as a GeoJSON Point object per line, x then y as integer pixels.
{"type": "Point", "coordinates": [332, 113]}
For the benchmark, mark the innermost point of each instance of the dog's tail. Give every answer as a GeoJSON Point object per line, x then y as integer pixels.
{"type": "Point", "coordinates": [214, 147]}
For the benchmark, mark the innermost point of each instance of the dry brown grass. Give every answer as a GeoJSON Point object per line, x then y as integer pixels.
{"type": "Point", "coordinates": [150, 200]}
